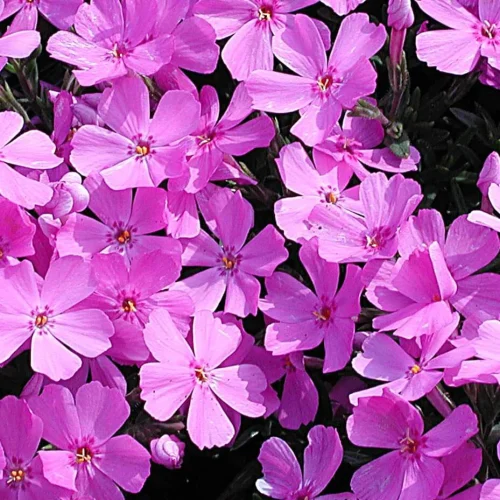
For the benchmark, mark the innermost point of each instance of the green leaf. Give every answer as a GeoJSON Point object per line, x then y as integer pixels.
{"type": "Point", "coordinates": [467, 118]}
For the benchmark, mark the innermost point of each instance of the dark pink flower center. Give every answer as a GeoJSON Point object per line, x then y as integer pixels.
{"type": "Point", "coordinates": [415, 369]}
{"type": "Point", "coordinates": [118, 51]}
{"type": "Point", "coordinates": [229, 259]}
{"type": "Point", "coordinates": [129, 305]}
{"type": "Point", "coordinates": [123, 237]}
{"type": "Point", "coordinates": [84, 455]}
{"type": "Point", "coordinates": [41, 320]}
{"type": "Point", "coordinates": [325, 82]}
{"type": "Point", "coordinates": [265, 13]}
{"type": "Point", "coordinates": [324, 314]}
{"type": "Point", "coordinates": [411, 444]}
{"type": "Point", "coordinates": [142, 149]}
{"type": "Point", "coordinates": [16, 476]}
{"type": "Point", "coordinates": [201, 374]}
{"type": "Point", "coordinates": [488, 30]}
{"type": "Point", "coordinates": [377, 238]}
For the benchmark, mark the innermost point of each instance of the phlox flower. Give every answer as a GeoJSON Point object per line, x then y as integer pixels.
{"type": "Point", "coordinates": [32, 149]}
{"type": "Point", "coordinates": [196, 374]}
{"type": "Point", "coordinates": [459, 469]}
{"type": "Point", "coordinates": [233, 265]}
{"type": "Point", "coordinates": [251, 24]}
{"type": "Point", "coordinates": [413, 468]}
{"type": "Point", "coordinates": [194, 44]}
{"type": "Point", "coordinates": [181, 210]}
{"type": "Point", "coordinates": [16, 233]}
{"type": "Point", "coordinates": [125, 227]}
{"type": "Point", "coordinates": [111, 41]}
{"type": "Point", "coordinates": [316, 184]}
{"type": "Point", "coordinates": [433, 273]}
{"type": "Point", "coordinates": [20, 436]}
{"type": "Point", "coordinates": [458, 50]}
{"type": "Point", "coordinates": [90, 459]}
{"type": "Point", "coordinates": [323, 86]}
{"type": "Point", "coordinates": [283, 478]}
{"type": "Point", "coordinates": [18, 44]}
{"type": "Point", "coordinates": [489, 184]}
{"type": "Point", "coordinates": [42, 316]}
{"type": "Point", "coordinates": [490, 174]}
{"type": "Point", "coordinates": [385, 360]}
{"type": "Point", "coordinates": [138, 152]}
{"type": "Point", "coordinates": [400, 14]}
{"type": "Point", "coordinates": [214, 138]}
{"type": "Point", "coordinates": [355, 144]}
{"type": "Point", "coordinates": [385, 204]}
{"type": "Point", "coordinates": [61, 13]}
{"type": "Point", "coordinates": [304, 319]}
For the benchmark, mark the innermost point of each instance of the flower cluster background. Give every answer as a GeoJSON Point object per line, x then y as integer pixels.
{"type": "Point", "coordinates": [249, 249]}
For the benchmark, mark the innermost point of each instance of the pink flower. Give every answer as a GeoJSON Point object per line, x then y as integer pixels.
{"type": "Point", "coordinates": [214, 138]}
{"type": "Point", "coordinates": [42, 316]}
{"type": "Point", "coordinates": [20, 435]}
{"type": "Point", "coordinates": [33, 150]}
{"type": "Point", "coordinates": [183, 373]}
{"type": "Point", "coordinates": [111, 40]}
{"type": "Point", "coordinates": [125, 227]}
{"type": "Point", "coordinates": [251, 24]}
{"type": "Point", "coordinates": [168, 451]}
{"type": "Point", "coordinates": [400, 14]}
{"type": "Point", "coordinates": [490, 174]}
{"type": "Point", "coordinates": [355, 144]}
{"type": "Point", "coordinates": [458, 50]}
{"type": "Point", "coordinates": [283, 478]}
{"type": "Point", "coordinates": [390, 422]}
{"type": "Point", "coordinates": [305, 319]}
{"type": "Point", "coordinates": [323, 87]}
{"type": "Point", "coordinates": [316, 184]}
{"type": "Point", "coordinates": [89, 459]}
{"type": "Point", "coordinates": [18, 45]}
{"type": "Point", "coordinates": [194, 44]}
{"type": "Point", "coordinates": [16, 233]}
{"type": "Point", "coordinates": [60, 13]}
{"type": "Point", "coordinates": [233, 265]}
{"type": "Point", "coordinates": [385, 204]}
{"type": "Point", "coordinates": [139, 152]}
{"type": "Point", "coordinates": [385, 360]}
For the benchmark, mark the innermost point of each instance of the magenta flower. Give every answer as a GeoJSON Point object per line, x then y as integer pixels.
{"type": "Point", "coordinates": [323, 87]}
{"type": "Point", "coordinates": [385, 360]}
{"type": "Point", "coordinates": [343, 7]}
{"type": "Point", "coordinates": [390, 422]}
{"type": "Point", "coordinates": [16, 234]}
{"type": "Point", "coordinates": [283, 478]}
{"type": "Point", "coordinates": [214, 138]}
{"type": "Point", "coordinates": [354, 145]}
{"type": "Point", "coordinates": [18, 45]}
{"type": "Point", "coordinates": [305, 319]}
{"type": "Point", "coordinates": [43, 317]}
{"type": "Point", "coordinates": [139, 151]}
{"type": "Point", "coordinates": [400, 14]}
{"type": "Point", "coordinates": [316, 184]}
{"type": "Point", "coordinates": [125, 225]}
{"type": "Point", "coordinates": [251, 25]}
{"type": "Point", "coordinates": [385, 204]}
{"type": "Point", "coordinates": [20, 435]}
{"type": "Point", "coordinates": [181, 211]}
{"type": "Point", "coordinates": [90, 460]}
{"type": "Point", "coordinates": [466, 249]}
{"type": "Point", "coordinates": [60, 13]}
{"type": "Point", "coordinates": [33, 150]}
{"type": "Point", "coordinates": [490, 174]}
{"type": "Point", "coordinates": [111, 41]}
{"type": "Point", "coordinates": [194, 44]}
{"type": "Point", "coordinates": [233, 265]}
{"type": "Point", "coordinates": [184, 373]}
{"type": "Point", "coordinates": [458, 50]}
{"type": "Point", "coordinates": [486, 219]}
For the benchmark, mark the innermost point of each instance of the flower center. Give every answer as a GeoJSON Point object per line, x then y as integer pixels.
{"type": "Point", "coordinates": [83, 454]}
{"type": "Point", "coordinates": [142, 150]}
{"type": "Point", "coordinates": [436, 298]}
{"type": "Point", "coordinates": [201, 374]}
{"type": "Point", "coordinates": [41, 320]}
{"type": "Point", "coordinates": [415, 369]}
{"type": "Point", "coordinates": [123, 237]}
{"type": "Point", "coordinates": [265, 13]}
{"type": "Point", "coordinates": [129, 305]}
{"type": "Point", "coordinates": [409, 445]}
{"type": "Point", "coordinates": [488, 30]}
{"type": "Point", "coordinates": [323, 314]}
{"type": "Point", "coordinates": [16, 476]}
{"type": "Point", "coordinates": [1, 253]}
{"type": "Point", "coordinates": [325, 82]}
{"type": "Point", "coordinates": [331, 198]}
{"type": "Point", "coordinates": [372, 241]}
{"type": "Point", "coordinates": [229, 263]}
{"type": "Point", "coordinates": [118, 52]}
{"type": "Point", "coordinates": [204, 139]}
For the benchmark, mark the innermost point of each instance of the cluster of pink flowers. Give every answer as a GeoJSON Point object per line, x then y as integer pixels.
{"type": "Point", "coordinates": [128, 239]}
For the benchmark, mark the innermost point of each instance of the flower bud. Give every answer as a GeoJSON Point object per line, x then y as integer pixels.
{"type": "Point", "coordinates": [168, 451]}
